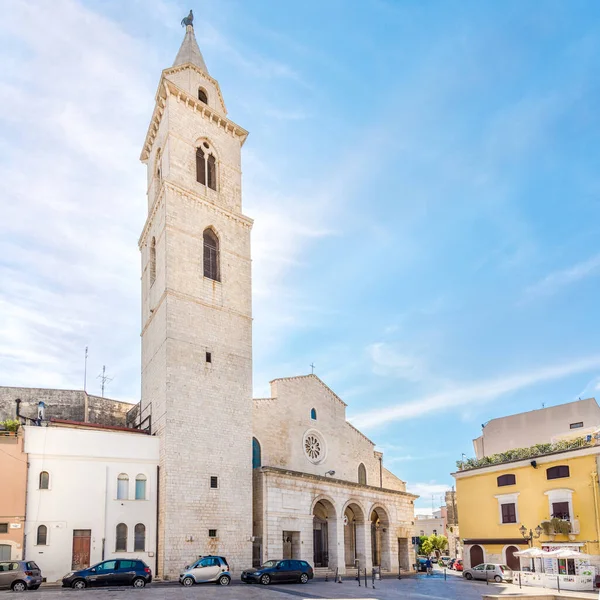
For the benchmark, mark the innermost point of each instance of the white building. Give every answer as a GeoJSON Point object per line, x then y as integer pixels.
{"type": "Point", "coordinates": [91, 495]}
{"type": "Point", "coordinates": [431, 524]}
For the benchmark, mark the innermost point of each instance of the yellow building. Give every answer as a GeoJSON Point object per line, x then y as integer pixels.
{"type": "Point", "coordinates": [553, 493]}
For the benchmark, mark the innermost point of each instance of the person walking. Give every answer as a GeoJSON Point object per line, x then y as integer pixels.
{"type": "Point", "coordinates": [428, 566]}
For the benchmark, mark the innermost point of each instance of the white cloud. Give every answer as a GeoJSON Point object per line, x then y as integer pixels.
{"type": "Point", "coordinates": [556, 280]}
{"type": "Point", "coordinates": [480, 391]}
{"type": "Point", "coordinates": [426, 489]}
{"type": "Point", "coordinates": [387, 361]}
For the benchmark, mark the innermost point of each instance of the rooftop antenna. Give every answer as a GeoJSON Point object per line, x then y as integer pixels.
{"type": "Point", "coordinates": [85, 369]}
{"type": "Point", "coordinates": [103, 378]}
{"type": "Point", "coordinates": [312, 368]}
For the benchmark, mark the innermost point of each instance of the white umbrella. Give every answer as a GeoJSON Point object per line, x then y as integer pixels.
{"type": "Point", "coordinates": [567, 553]}
{"type": "Point", "coordinates": [531, 553]}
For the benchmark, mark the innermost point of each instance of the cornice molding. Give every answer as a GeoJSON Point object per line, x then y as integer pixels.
{"type": "Point", "coordinates": [204, 75]}
{"type": "Point", "coordinates": [167, 88]}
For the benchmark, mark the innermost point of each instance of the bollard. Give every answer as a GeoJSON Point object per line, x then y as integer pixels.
{"type": "Point", "coordinates": [487, 581]}
{"type": "Point", "coordinates": [444, 574]}
{"type": "Point", "coordinates": [366, 583]}
{"type": "Point", "coordinates": [358, 577]}
{"type": "Point", "coordinates": [326, 576]}
{"type": "Point", "coordinates": [519, 579]}
{"type": "Point", "coordinates": [373, 576]}
{"type": "Point", "coordinates": [558, 583]}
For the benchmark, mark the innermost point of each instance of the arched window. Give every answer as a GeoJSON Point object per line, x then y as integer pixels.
{"type": "Point", "coordinates": [158, 166]}
{"type": "Point", "coordinates": [211, 255]}
{"type": "Point", "coordinates": [123, 487]}
{"type": "Point", "coordinates": [508, 479]}
{"type": "Point", "coordinates": [152, 261]}
{"type": "Point", "coordinates": [139, 539]}
{"type": "Point", "coordinates": [362, 474]}
{"type": "Point", "coordinates": [313, 414]}
{"type": "Point", "coordinates": [557, 472]}
{"type": "Point", "coordinates": [42, 535]}
{"type": "Point", "coordinates": [206, 166]}
{"type": "Point", "coordinates": [140, 487]}
{"type": "Point", "coordinates": [44, 480]}
{"type": "Point", "coordinates": [202, 95]}
{"type": "Point", "coordinates": [256, 457]}
{"type": "Point", "coordinates": [121, 543]}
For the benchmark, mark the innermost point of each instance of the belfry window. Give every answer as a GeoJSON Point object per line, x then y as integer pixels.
{"type": "Point", "coordinates": [211, 255]}
{"type": "Point", "coordinates": [362, 474]}
{"type": "Point", "coordinates": [202, 96]}
{"type": "Point", "coordinates": [206, 166]}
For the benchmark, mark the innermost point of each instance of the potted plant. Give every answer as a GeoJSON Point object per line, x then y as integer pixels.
{"type": "Point", "coordinates": [10, 425]}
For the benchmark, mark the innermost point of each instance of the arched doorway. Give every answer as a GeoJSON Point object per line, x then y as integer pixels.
{"type": "Point", "coordinates": [380, 538]}
{"type": "Point", "coordinates": [324, 534]}
{"type": "Point", "coordinates": [476, 555]}
{"type": "Point", "coordinates": [511, 560]}
{"type": "Point", "coordinates": [354, 536]}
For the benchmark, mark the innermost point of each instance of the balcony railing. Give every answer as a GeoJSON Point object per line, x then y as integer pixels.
{"type": "Point", "coordinates": [525, 453]}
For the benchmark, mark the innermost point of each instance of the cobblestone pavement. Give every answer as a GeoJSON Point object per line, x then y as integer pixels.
{"type": "Point", "coordinates": [416, 588]}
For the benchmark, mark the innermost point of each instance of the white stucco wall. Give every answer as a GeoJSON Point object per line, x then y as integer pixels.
{"type": "Point", "coordinates": [84, 465]}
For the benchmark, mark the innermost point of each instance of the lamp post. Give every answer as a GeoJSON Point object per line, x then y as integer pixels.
{"type": "Point", "coordinates": [530, 537]}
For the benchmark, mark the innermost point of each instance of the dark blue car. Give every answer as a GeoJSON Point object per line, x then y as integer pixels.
{"type": "Point", "coordinates": [278, 571]}
{"type": "Point", "coordinates": [110, 572]}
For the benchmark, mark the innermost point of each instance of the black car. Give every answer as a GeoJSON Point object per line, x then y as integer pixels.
{"type": "Point", "coordinates": [277, 571]}
{"type": "Point", "coordinates": [110, 572]}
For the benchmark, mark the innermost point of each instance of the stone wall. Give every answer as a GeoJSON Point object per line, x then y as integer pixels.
{"type": "Point", "coordinates": [73, 405]}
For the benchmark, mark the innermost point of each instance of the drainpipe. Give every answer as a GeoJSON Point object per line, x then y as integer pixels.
{"type": "Point", "coordinates": [381, 471]}
{"type": "Point", "coordinates": [157, 521]}
{"type": "Point", "coordinates": [596, 510]}
{"type": "Point", "coordinates": [25, 507]}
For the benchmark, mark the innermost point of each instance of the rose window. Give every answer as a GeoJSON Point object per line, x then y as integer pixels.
{"type": "Point", "coordinates": [312, 447]}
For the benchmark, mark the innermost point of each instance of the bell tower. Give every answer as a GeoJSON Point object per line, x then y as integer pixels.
{"type": "Point", "coordinates": [197, 319]}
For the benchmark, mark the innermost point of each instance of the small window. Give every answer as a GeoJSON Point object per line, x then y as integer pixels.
{"type": "Point", "coordinates": [362, 474]}
{"type": "Point", "coordinates": [313, 414]}
{"type": "Point", "coordinates": [42, 535]}
{"type": "Point", "coordinates": [44, 480]}
{"type": "Point", "coordinates": [123, 487]}
{"type": "Point", "coordinates": [158, 170]}
{"type": "Point", "coordinates": [214, 482]}
{"type": "Point", "coordinates": [211, 166]}
{"type": "Point", "coordinates": [509, 513]}
{"type": "Point", "coordinates": [139, 541]}
{"type": "Point", "coordinates": [152, 266]}
{"type": "Point", "coordinates": [509, 479]}
{"type": "Point", "coordinates": [140, 487]}
{"type": "Point", "coordinates": [212, 533]}
{"type": "Point", "coordinates": [121, 544]}
{"type": "Point", "coordinates": [206, 166]}
{"type": "Point", "coordinates": [560, 510]}
{"type": "Point", "coordinates": [576, 425]}
{"type": "Point", "coordinates": [557, 472]}
{"type": "Point", "coordinates": [202, 96]}
{"type": "Point", "coordinates": [256, 454]}
{"type": "Point", "coordinates": [3, 527]}
{"type": "Point", "coordinates": [209, 357]}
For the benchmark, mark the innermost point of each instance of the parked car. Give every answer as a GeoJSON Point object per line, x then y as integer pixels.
{"type": "Point", "coordinates": [458, 564]}
{"type": "Point", "coordinates": [489, 571]}
{"type": "Point", "coordinates": [207, 569]}
{"type": "Point", "coordinates": [421, 564]}
{"type": "Point", "coordinates": [451, 563]}
{"type": "Point", "coordinates": [433, 559]}
{"type": "Point", "coordinates": [444, 560]}
{"type": "Point", "coordinates": [20, 575]}
{"type": "Point", "coordinates": [276, 571]}
{"type": "Point", "coordinates": [110, 572]}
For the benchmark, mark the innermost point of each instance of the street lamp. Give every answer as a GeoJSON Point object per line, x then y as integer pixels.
{"type": "Point", "coordinates": [530, 537]}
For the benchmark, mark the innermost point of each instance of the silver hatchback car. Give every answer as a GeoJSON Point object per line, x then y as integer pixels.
{"type": "Point", "coordinates": [207, 569]}
{"type": "Point", "coordinates": [20, 575]}
{"type": "Point", "coordinates": [489, 572]}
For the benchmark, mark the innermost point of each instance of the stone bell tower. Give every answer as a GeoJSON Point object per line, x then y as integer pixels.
{"type": "Point", "coordinates": [197, 319]}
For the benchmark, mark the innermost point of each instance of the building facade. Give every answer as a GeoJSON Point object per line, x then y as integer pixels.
{"type": "Point", "coordinates": [91, 495]}
{"type": "Point", "coordinates": [13, 467]}
{"type": "Point", "coordinates": [537, 427]}
{"type": "Point", "coordinates": [321, 493]}
{"type": "Point", "coordinates": [557, 492]}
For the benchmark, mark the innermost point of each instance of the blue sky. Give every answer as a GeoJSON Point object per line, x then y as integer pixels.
{"type": "Point", "coordinates": [423, 178]}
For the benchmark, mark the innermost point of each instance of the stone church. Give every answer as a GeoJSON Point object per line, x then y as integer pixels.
{"type": "Point", "coordinates": [252, 479]}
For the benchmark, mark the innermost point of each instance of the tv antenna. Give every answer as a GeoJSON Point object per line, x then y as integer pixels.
{"type": "Point", "coordinates": [103, 378]}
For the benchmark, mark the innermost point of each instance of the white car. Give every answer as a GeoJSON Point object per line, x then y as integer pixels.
{"type": "Point", "coordinates": [208, 569]}
{"type": "Point", "coordinates": [489, 572]}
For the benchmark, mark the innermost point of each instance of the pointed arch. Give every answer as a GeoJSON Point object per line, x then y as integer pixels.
{"type": "Point", "coordinates": [206, 165]}
{"type": "Point", "coordinates": [256, 454]}
{"type": "Point", "coordinates": [152, 261]}
{"type": "Point", "coordinates": [313, 414]}
{"type": "Point", "coordinates": [212, 268]}
{"type": "Point", "coordinates": [362, 474]}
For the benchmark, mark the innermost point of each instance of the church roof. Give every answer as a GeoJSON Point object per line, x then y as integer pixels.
{"type": "Point", "coordinates": [190, 52]}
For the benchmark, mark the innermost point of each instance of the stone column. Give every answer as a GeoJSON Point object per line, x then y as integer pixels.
{"type": "Point", "coordinates": [336, 544]}
{"type": "Point", "coordinates": [368, 564]}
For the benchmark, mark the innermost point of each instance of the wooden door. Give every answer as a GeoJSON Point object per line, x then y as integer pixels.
{"type": "Point", "coordinates": [476, 555]}
{"type": "Point", "coordinates": [81, 549]}
{"type": "Point", "coordinates": [318, 547]}
{"type": "Point", "coordinates": [511, 560]}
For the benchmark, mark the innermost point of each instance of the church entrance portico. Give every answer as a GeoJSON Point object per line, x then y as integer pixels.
{"type": "Point", "coordinates": [354, 536]}
{"type": "Point", "coordinates": [324, 534]}
{"type": "Point", "coordinates": [380, 538]}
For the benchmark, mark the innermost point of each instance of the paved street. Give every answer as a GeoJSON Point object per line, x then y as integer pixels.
{"type": "Point", "coordinates": [419, 588]}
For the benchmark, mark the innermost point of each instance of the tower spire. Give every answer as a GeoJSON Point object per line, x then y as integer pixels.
{"type": "Point", "coordinates": [189, 51]}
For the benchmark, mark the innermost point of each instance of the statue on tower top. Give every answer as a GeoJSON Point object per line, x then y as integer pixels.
{"type": "Point", "coordinates": [189, 20]}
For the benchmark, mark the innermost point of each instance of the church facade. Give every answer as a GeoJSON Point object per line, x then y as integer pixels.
{"type": "Point", "coordinates": [250, 479]}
